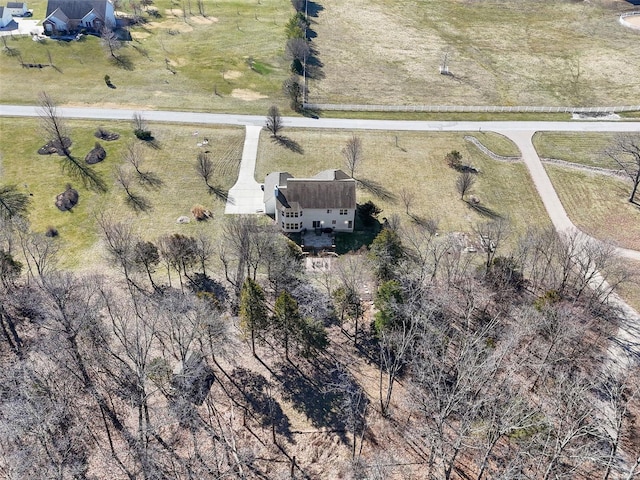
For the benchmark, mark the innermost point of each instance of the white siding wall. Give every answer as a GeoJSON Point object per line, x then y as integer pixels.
{"type": "Point", "coordinates": [326, 219]}
{"type": "Point", "coordinates": [6, 18]}
{"type": "Point", "coordinates": [109, 15]}
{"type": "Point", "coordinates": [17, 11]}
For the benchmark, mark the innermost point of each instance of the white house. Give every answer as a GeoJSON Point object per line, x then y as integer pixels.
{"type": "Point", "coordinates": [327, 200]}
{"type": "Point", "coordinates": [74, 15]}
{"type": "Point", "coordinates": [5, 17]}
{"type": "Point", "coordinates": [17, 9]}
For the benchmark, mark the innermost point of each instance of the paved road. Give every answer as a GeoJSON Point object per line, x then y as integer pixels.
{"type": "Point", "coordinates": [336, 123]}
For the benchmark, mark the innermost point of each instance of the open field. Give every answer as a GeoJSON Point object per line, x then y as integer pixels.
{"type": "Point", "coordinates": [499, 53]}
{"type": "Point", "coordinates": [598, 205]}
{"type": "Point", "coordinates": [416, 164]}
{"type": "Point", "coordinates": [173, 162]}
{"type": "Point", "coordinates": [583, 148]}
{"type": "Point", "coordinates": [175, 61]}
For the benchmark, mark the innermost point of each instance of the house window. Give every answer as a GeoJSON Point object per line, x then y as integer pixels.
{"type": "Point", "coordinates": [282, 224]}
{"type": "Point", "coordinates": [343, 211]}
{"type": "Point", "coordinates": [333, 222]}
{"type": "Point", "coordinates": [350, 225]}
{"type": "Point", "coordinates": [283, 213]}
{"type": "Point", "coordinates": [316, 224]}
{"type": "Point", "coordinates": [295, 214]}
{"type": "Point", "coordinates": [300, 213]}
{"type": "Point", "coordinates": [328, 211]}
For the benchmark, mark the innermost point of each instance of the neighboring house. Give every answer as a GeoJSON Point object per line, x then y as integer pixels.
{"type": "Point", "coordinates": [327, 200]}
{"type": "Point", "coordinates": [17, 9]}
{"type": "Point", "coordinates": [5, 17]}
{"type": "Point", "coordinates": [74, 15]}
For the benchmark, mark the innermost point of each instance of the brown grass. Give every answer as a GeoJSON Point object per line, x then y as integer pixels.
{"type": "Point", "coordinates": [598, 205]}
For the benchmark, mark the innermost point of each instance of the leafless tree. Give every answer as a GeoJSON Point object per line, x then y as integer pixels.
{"type": "Point", "coordinates": [137, 202]}
{"type": "Point", "coordinates": [352, 153]}
{"type": "Point", "coordinates": [298, 49]}
{"type": "Point", "coordinates": [274, 121]}
{"type": "Point", "coordinates": [110, 41]}
{"type": "Point", "coordinates": [625, 151]}
{"type": "Point", "coordinates": [204, 167]}
{"type": "Point", "coordinates": [407, 198]}
{"type": "Point", "coordinates": [58, 135]}
{"type": "Point", "coordinates": [492, 235]}
{"type": "Point", "coordinates": [134, 156]}
{"type": "Point", "coordinates": [464, 183]}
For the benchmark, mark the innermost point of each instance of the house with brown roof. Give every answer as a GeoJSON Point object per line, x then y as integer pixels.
{"type": "Point", "coordinates": [325, 201]}
{"type": "Point", "coordinates": [66, 16]}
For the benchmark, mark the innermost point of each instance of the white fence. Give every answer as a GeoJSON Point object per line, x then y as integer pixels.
{"type": "Point", "coordinates": [627, 24]}
{"type": "Point", "coordinates": [467, 109]}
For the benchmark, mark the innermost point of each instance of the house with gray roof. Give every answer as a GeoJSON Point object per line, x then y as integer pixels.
{"type": "Point", "coordinates": [67, 16]}
{"type": "Point", "coordinates": [327, 200]}
{"type": "Point", "coordinates": [17, 9]}
{"type": "Point", "coordinates": [5, 17]}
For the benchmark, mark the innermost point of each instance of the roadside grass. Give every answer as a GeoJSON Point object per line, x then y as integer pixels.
{"type": "Point", "coordinates": [582, 148]}
{"type": "Point", "coordinates": [173, 162]}
{"type": "Point", "coordinates": [499, 53]}
{"type": "Point", "coordinates": [417, 165]}
{"type": "Point", "coordinates": [173, 62]}
{"type": "Point", "coordinates": [630, 292]}
{"type": "Point", "coordinates": [598, 205]}
{"type": "Point", "coordinates": [471, 117]}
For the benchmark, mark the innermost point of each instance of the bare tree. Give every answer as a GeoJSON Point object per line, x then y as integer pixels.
{"type": "Point", "coordinates": [352, 153]}
{"type": "Point", "coordinates": [12, 202]}
{"type": "Point", "coordinates": [205, 168]}
{"type": "Point", "coordinates": [407, 198]}
{"type": "Point", "coordinates": [110, 41]}
{"type": "Point", "coordinates": [58, 135]}
{"type": "Point", "coordinates": [626, 153]}
{"type": "Point", "coordinates": [465, 181]}
{"type": "Point", "coordinates": [274, 121]}
{"type": "Point", "coordinates": [137, 202]}
{"type": "Point", "coordinates": [134, 156]}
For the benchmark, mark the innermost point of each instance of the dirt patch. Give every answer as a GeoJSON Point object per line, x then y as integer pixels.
{"type": "Point", "coordinates": [232, 74]}
{"type": "Point", "coordinates": [247, 95]}
{"type": "Point", "coordinates": [174, 12]}
{"type": "Point", "coordinates": [177, 27]}
{"type": "Point", "coordinates": [203, 20]}
{"type": "Point", "coordinates": [139, 35]}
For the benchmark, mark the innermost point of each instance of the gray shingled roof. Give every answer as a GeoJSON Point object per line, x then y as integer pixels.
{"type": "Point", "coordinates": [77, 9]}
{"type": "Point", "coordinates": [333, 174]}
{"type": "Point", "coordinates": [15, 4]}
{"type": "Point", "coordinates": [321, 193]}
{"type": "Point", "coordinates": [273, 179]}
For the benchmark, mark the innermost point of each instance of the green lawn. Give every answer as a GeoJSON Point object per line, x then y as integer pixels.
{"type": "Point", "coordinates": [173, 62]}
{"type": "Point", "coordinates": [583, 148]}
{"type": "Point", "coordinates": [417, 165]}
{"type": "Point", "coordinates": [173, 162]}
{"type": "Point", "coordinates": [598, 205]}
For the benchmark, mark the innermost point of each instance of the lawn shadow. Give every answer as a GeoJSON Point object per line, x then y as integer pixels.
{"type": "Point", "coordinates": [289, 144]}
{"type": "Point", "coordinates": [150, 180]}
{"type": "Point", "coordinates": [123, 61]}
{"type": "Point", "coordinates": [138, 203]}
{"type": "Point", "coordinates": [220, 193]}
{"type": "Point", "coordinates": [258, 393]}
{"type": "Point", "coordinates": [309, 395]}
{"type": "Point", "coordinates": [376, 189]}
{"type": "Point", "coordinates": [484, 211]}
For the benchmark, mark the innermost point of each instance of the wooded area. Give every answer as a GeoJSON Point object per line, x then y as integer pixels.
{"type": "Point", "coordinates": [494, 364]}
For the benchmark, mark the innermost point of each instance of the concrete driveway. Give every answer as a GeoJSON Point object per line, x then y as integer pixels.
{"type": "Point", "coordinates": [22, 26]}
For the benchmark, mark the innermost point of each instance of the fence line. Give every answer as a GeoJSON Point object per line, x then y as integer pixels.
{"type": "Point", "coordinates": [467, 109]}
{"type": "Point", "coordinates": [627, 24]}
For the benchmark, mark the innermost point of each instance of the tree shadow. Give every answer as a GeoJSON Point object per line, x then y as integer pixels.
{"type": "Point", "coordinates": [220, 193]}
{"type": "Point", "coordinates": [483, 210]}
{"type": "Point", "coordinates": [288, 143]}
{"type": "Point", "coordinates": [311, 112]}
{"type": "Point", "coordinates": [123, 61]}
{"type": "Point", "coordinates": [308, 395]}
{"type": "Point", "coordinates": [138, 203]}
{"type": "Point", "coordinates": [268, 412]}
{"type": "Point", "coordinates": [150, 180]}
{"type": "Point", "coordinates": [314, 9]}
{"type": "Point", "coordinates": [376, 189]}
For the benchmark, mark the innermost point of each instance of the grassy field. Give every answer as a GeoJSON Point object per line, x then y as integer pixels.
{"type": "Point", "coordinates": [416, 164]}
{"type": "Point", "coordinates": [582, 148]}
{"type": "Point", "coordinates": [173, 162]}
{"type": "Point", "coordinates": [598, 205]}
{"type": "Point", "coordinates": [499, 53]}
{"type": "Point", "coordinates": [176, 61]}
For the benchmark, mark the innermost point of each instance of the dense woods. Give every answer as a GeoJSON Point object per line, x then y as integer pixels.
{"type": "Point", "coordinates": [414, 358]}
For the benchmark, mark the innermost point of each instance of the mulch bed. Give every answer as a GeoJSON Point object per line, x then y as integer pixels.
{"type": "Point", "coordinates": [54, 147]}
{"type": "Point", "coordinates": [96, 155]}
{"type": "Point", "coordinates": [67, 199]}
